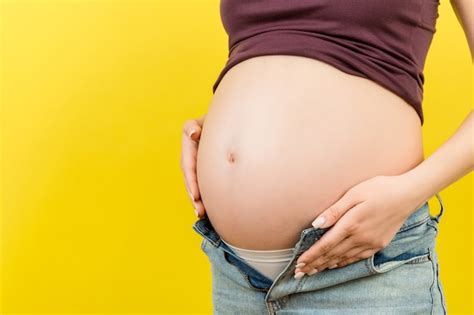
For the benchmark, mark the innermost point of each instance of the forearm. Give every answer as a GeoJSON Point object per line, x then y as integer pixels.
{"type": "Point", "coordinates": [453, 160]}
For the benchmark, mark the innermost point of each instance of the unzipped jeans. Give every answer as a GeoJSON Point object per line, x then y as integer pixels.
{"type": "Point", "coordinates": [401, 278]}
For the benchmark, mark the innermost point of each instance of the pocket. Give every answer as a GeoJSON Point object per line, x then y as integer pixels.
{"type": "Point", "coordinates": [251, 276]}
{"type": "Point", "coordinates": [411, 245]}
{"type": "Point", "coordinates": [226, 267]}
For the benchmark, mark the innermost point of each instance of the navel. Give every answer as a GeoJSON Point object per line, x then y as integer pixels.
{"type": "Point", "coordinates": [231, 157]}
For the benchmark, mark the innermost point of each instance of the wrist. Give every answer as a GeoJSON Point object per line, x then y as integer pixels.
{"type": "Point", "coordinates": [414, 188]}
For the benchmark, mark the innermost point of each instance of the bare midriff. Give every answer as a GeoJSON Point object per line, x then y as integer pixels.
{"type": "Point", "coordinates": [286, 136]}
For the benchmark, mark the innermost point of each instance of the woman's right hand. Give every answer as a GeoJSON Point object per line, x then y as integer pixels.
{"type": "Point", "coordinates": [190, 142]}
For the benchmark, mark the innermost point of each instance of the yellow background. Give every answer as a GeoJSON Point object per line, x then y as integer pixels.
{"type": "Point", "coordinates": [95, 216]}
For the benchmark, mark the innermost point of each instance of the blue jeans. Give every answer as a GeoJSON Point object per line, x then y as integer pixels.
{"type": "Point", "coordinates": [402, 278]}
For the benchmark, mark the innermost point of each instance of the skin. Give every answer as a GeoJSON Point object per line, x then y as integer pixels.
{"type": "Point", "coordinates": [190, 142]}
{"type": "Point", "coordinates": [359, 233]}
{"type": "Point", "coordinates": [379, 205]}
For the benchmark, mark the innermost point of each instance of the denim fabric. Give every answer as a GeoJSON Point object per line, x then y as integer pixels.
{"type": "Point", "coordinates": [402, 278]}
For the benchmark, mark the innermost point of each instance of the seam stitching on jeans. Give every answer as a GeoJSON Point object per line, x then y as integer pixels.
{"type": "Point", "coordinates": [414, 224]}
{"type": "Point", "coordinates": [443, 302]}
{"type": "Point", "coordinates": [433, 268]}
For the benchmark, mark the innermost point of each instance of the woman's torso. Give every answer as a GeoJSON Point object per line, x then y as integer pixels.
{"type": "Point", "coordinates": [286, 136]}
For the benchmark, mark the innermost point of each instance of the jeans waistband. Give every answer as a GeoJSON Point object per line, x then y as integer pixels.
{"type": "Point", "coordinates": [307, 238]}
{"type": "Point", "coordinates": [204, 227]}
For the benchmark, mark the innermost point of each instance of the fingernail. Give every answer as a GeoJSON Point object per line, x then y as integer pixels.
{"type": "Point", "coordinates": [318, 222]}
{"type": "Point", "coordinates": [192, 197]}
{"type": "Point", "coordinates": [299, 275]}
{"type": "Point", "coordinates": [191, 133]}
{"type": "Point", "coordinates": [196, 212]}
{"type": "Point", "coordinates": [333, 266]}
{"type": "Point", "coordinates": [300, 265]}
{"type": "Point", "coordinates": [312, 272]}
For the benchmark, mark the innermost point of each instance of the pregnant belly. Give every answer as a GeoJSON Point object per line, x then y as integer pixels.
{"type": "Point", "coordinates": [286, 136]}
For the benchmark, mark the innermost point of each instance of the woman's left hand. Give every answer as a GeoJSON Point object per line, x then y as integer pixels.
{"type": "Point", "coordinates": [366, 219]}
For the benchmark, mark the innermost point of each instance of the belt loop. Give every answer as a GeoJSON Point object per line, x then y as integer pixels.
{"type": "Point", "coordinates": [438, 216]}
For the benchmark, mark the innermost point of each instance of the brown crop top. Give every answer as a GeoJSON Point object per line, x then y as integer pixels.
{"type": "Point", "coordinates": [385, 41]}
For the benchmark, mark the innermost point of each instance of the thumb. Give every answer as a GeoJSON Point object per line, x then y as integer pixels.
{"type": "Point", "coordinates": [332, 214]}
{"type": "Point", "coordinates": [195, 132]}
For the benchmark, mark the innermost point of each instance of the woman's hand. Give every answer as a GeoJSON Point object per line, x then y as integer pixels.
{"type": "Point", "coordinates": [366, 219]}
{"type": "Point", "coordinates": [190, 142]}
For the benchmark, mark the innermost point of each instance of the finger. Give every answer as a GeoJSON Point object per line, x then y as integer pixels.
{"type": "Point", "coordinates": [191, 198]}
{"type": "Point", "coordinates": [188, 164]}
{"type": "Point", "coordinates": [198, 205]}
{"type": "Point", "coordinates": [332, 214]}
{"type": "Point", "coordinates": [323, 245]}
{"type": "Point", "coordinates": [191, 131]}
{"type": "Point", "coordinates": [199, 208]}
{"type": "Point", "coordinates": [333, 261]}
{"type": "Point", "coordinates": [188, 167]}
{"type": "Point", "coordinates": [191, 182]}
{"type": "Point", "coordinates": [365, 253]}
{"type": "Point", "coordinates": [193, 191]}
{"type": "Point", "coordinates": [339, 250]}
{"type": "Point", "coordinates": [330, 239]}
{"type": "Point", "coordinates": [192, 128]}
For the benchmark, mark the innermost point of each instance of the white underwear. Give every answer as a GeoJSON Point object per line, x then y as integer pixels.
{"type": "Point", "coordinates": [268, 262]}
